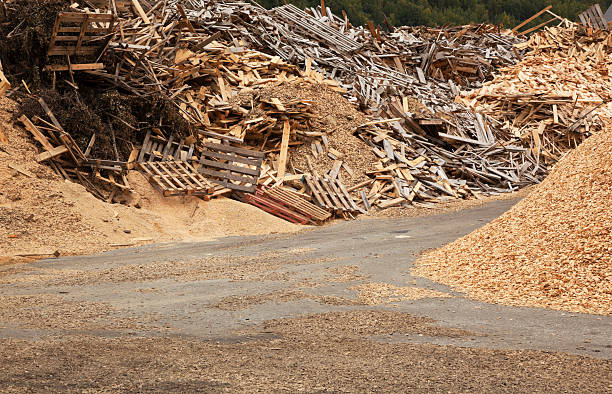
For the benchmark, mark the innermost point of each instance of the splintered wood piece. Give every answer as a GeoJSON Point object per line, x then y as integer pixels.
{"type": "Point", "coordinates": [21, 170]}
{"type": "Point", "coordinates": [282, 161]}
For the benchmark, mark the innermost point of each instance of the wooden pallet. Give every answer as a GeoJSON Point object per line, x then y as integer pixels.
{"type": "Point", "coordinates": [594, 17]}
{"type": "Point", "coordinates": [156, 148]}
{"type": "Point", "coordinates": [80, 34]}
{"type": "Point", "coordinates": [297, 204]}
{"type": "Point", "coordinates": [331, 194]}
{"type": "Point", "coordinates": [232, 167]}
{"type": "Point", "coordinates": [275, 208]}
{"type": "Point", "coordinates": [174, 178]}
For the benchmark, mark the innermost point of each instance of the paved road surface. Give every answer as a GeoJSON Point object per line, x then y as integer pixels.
{"type": "Point", "coordinates": [226, 293]}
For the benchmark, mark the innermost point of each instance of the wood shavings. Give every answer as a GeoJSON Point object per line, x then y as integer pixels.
{"type": "Point", "coordinates": [553, 249]}
{"type": "Point", "coordinates": [384, 293]}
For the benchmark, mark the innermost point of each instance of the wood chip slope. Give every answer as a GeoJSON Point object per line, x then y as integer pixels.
{"type": "Point", "coordinates": [553, 249]}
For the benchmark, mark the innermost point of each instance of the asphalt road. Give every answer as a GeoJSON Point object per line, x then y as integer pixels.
{"type": "Point", "coordinates": [226, 293]}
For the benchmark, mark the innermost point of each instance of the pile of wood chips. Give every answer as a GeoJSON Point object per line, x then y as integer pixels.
{"type": "Point", "coordinates": [553, 249]}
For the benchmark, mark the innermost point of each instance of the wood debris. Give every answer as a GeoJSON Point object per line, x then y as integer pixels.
{"type": "Point", "coordinates": [453, 112]}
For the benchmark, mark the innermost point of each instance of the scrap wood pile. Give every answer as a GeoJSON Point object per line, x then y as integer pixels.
{"type": "Point", "coordinates": [218, 63]}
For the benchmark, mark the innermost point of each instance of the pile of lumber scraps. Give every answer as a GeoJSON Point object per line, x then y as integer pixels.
{"type": "Point", "coordinates": [552, 100]}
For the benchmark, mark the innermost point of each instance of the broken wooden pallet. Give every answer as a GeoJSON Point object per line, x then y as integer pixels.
{"type": "Point", "coordinates": [235, 168]}
{"type": "Point", "coordinates": [176, 178]}
{"type": "Point", "coordinates": [594, 17]}
{"type": "Point", "coordinates": [157, 148]}
{"type": "Point", "coordinates": [80, 34]}
{"type": "Point", "coordinates": [286, 205]}
{"type": "Point", "coordinates": [331, 194]}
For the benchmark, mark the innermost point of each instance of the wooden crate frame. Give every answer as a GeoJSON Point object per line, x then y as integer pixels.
{"type": "Point", "coordinates": [232, 167]}
{"type": "Point", "coordinates": [80, 34]}
{"type": "Point", "coordinates": [174, 178]}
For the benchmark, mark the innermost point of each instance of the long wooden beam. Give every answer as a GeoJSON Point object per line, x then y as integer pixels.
{"type": "Point", "coordinates": [532, 18]}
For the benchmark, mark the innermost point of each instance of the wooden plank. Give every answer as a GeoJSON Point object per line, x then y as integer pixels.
{"type": "Point", "coordinates": [391, 203]}
{"type": "Point", "coordinates": [74, 67]}
{"type": "Point", "coordinates": [230, 167]}
{"type": "Point", "coordinates": [282, 161]}
{"type": "Point", "coordinates": [145, 145]}
{"type": "Point", "coordinates": [224, 156]}
{"type": "Point", "coordinates": [315, 192]}
{"type": "Point", "coordinates": [21, 170]}
{"type": "Point", "coordinates": [233, 149]}
{"type": "Point", "coordinates": [233, 186]}
{"type": "Point", "coordinates": [38, 136]}
{"type": "Point", "coordinates": [141, 12]}
{"type": "Point", "coordinates": [345, 205]}
{"type": "Point", "coordinates": [226, 175]}
{"type": "Point", "coordinates": [336, 202]}
{"type": "Point", "coordinates": [348, 197]}
{"type": "Point", "coordinates": [49, 154]}
{"type": "Point", "coordinates": [532, 18]}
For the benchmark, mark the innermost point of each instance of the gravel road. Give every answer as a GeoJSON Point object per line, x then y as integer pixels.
{"type": "Point", "coordinates": [328, 309]}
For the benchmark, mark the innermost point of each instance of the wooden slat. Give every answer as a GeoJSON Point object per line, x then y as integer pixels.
{"type": "Point", "coordinates": [233, 149]}
{"type": "Point", "coordinates": [230, 167]}
{"type": "Point", "coordinates": [282, 160]}
{"type": "Point", "coordinates": [226, 175]}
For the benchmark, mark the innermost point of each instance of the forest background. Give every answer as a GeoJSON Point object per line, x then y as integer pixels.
{"type": "Point", "coordinates": [441, 12]}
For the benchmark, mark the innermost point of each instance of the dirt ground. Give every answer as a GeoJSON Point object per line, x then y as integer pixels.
{"type": "Point", "coordinates": [320, 353]}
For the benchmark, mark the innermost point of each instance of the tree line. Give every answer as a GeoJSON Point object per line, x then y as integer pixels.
{"type": "Point", "coordinates": [508, 13]}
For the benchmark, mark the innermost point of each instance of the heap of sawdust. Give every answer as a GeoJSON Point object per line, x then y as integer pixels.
{"type": "Point", "coordinates": [40, 213]}
{"type": "Point", "coordinates": [553, 249]}
{"type": "Point", "coordinates": [337, 119]}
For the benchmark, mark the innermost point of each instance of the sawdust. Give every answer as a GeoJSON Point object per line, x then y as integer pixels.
{"type": "Point", "coordinates": [553, 249]}
{"type": "Point", "coordinates": [385, 293]}
{"type": "Point", "coordinates": [234, 303]}
{"type": "Point", "coordinates": [332, 352]}
{"type": "Point", "coordinates": [344, 274]}
{"type": "Point", "coordinates": [40, 213]}
{"type": "Point", "coordinates": [50, 311]}
{"type": "Point", "coordinates": [337, 119]}
{"type": "Point", "coordinates": [238, 268]}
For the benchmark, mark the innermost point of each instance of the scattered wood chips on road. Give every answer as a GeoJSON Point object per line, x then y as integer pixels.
{"type": "Point", "coordinates": [553, 249]}
{"type": "Point", "coordinates": [385, 293]}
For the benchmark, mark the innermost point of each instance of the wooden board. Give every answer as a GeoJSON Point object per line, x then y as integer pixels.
{"type": "Point", "coordinates": [297, 203]}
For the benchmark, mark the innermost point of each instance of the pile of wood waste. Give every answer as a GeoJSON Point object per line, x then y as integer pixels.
{"type": "Point", "coordinates": [430, 114]}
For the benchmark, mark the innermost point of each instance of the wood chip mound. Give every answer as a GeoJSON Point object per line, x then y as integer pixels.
{"type": "Point", "coordinates": [553, 249]}
{"type": "Point", "coordinates": [384, 293]}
